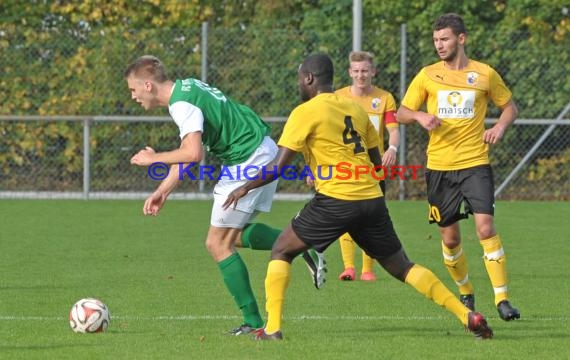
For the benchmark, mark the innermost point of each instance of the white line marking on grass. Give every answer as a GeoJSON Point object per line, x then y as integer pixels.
{"type": "Point", "coordinates": [293, 318]}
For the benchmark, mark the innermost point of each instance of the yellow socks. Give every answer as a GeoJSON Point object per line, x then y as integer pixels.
{"type": "Point", "coordinates": [347, 247]}
{"type": "Point", "coordinates": [456, 263]}
{"type": "Point", "coordinates": [276, 283]}
{"type": "Point", "coordinates": [367, 263]}
{"type": "Point", "coordinates": [496, 264]}
{"type": "Point", "coordinates": [424, 281]}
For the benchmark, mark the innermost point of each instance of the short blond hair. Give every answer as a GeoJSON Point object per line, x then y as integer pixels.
{"type": "Point", "coordinates": [358, 56]}
{"type": "Point", "coordinates": [147, 66]}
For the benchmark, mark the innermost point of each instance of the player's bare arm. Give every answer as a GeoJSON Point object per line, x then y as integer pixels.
{"type": "Point", "coordinates": [389, 157]}
{"type": "Point", "coordinates": [154, 203]}
{"type": "Point", "coordinates": [156, 200]}
{"type": "Point", "coordinates": [408, 116]}
{"type": "Point", "coordinates": [284, 157]}
{"type": "Point", "coordinates": [508, 115]}
{"type": "Point", "coordinates": [190, 151]}
{"type": "Point", "coordinates": [143, 157]}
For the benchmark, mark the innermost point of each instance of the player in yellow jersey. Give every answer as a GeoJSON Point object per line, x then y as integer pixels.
{"type": "Point", "coordinates": [457, 90]}
{"type": "Point", "coordinates": [330, 130]}
{"type": "Point", "coordinates": [381, 108]}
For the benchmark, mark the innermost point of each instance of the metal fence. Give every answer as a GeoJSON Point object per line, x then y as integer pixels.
{"type": "Point", "coordinates": [103, 170]}
{"type": "Point", "coordinates": [45, 151]}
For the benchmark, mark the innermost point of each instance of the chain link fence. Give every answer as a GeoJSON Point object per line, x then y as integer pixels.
{"type": "Point", "coordinates": [68, 126]}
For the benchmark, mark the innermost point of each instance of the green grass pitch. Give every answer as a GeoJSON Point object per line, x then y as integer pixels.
{"type": "Point", "coordinates": [167, 299]}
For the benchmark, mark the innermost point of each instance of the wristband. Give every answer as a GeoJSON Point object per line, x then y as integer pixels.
{"type": "Point", "coordinates": [393, 148]}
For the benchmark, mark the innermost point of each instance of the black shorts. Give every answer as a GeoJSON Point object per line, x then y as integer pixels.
{"type": "Point", "coordinates": [324, 219]}
{"type": "Point", "coordinates": [448, 190]}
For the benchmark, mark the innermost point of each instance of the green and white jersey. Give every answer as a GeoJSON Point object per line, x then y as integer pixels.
{"type": "Point", "coordinates": [230, 130]}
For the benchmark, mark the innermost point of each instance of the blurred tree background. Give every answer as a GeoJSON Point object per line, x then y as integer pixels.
{"type": "Point", "coordinates": [67, 58]}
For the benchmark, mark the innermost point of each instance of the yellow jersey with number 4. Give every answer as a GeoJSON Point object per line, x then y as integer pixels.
{"type": "Point", "coordinates": [459, 98]}
{"type": "Point", "coordinates": [334, 135]}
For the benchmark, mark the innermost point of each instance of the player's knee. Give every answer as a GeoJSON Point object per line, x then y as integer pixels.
{"type": "Point", "coordinates": [484, 226]}
{"type": "Point", "coordinates": [402, 270]}
{"type": "Point", "coordinates": [397, 265]}
{"type": "Point", "coordinates": [277, 255]}
{"type": "Point", "coordinates": [287, 246]}
{"type": "Point", "coordinates": [211, 245]}
{"type": "Point", "coordinates": [217, 248]}
{"type": "Point", "coordinates": [452, 243]}
{"type": "Point", "coordinates": [282, 251]}
{"type": "Point", "coordinates": [485, 231]}
{"type": "Point", "coordinates": [450, 235]}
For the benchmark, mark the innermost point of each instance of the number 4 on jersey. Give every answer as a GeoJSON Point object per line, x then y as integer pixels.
{"type": "Point", "coordinates": [350, 136]}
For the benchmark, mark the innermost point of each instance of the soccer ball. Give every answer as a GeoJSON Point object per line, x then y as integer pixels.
{"type": "Point", "coordinates": [89, 316]}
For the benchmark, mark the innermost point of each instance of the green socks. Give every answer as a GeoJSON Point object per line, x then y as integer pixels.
{"type": "Point", "coordinates": [256, 236]}
{"type": "Point", "coordinates": [236, 278]}
{"type": "Point", "coordinates": [259, 236]}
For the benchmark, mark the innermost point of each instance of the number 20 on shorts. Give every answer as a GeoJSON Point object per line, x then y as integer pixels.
{"type": "Point", "coordinates": [434, 214]}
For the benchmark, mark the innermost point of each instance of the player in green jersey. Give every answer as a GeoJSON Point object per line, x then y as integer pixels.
{"type": "Point", "coordinates": [208, 119]}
